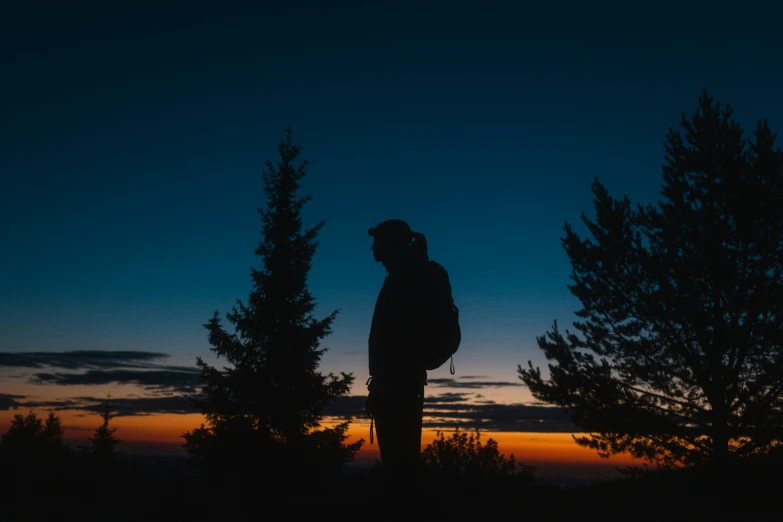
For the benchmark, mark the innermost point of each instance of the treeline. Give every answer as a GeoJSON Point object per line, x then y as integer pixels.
{"type": "Point", "coordinates": [37, 465]}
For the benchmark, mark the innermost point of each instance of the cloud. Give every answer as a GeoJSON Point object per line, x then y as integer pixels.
{"type": "Point", "coordinates": [452, 410]}
{"type": "Point", "coordinates": [120, 407]}
{"type": "Point", "coordinates": [500, 417]}
{"type": "Point", "coordinates": [447, 397]}
{"type": "Point", "coordinates": [56, 405]}
{"type": "Point", "coordinates": [181, 379]}
{"type": "Point", "coordinates": [143, 405]}
{"type": "Point", "coordinates": [81, 359]}
{"type": "Point", "coordinates": [447, 410]}
{"type": "Point", "coordinates": [346, 407]}
{"type": "Point", "coordinates": [8, 401]}
{"type": "Point", "coordinates": [453, 383]}
{"type": "Point", "coordinates": [98, 367]}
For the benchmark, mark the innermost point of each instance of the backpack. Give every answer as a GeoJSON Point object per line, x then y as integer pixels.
{"type": "Point", "coordinates": [446, 334]}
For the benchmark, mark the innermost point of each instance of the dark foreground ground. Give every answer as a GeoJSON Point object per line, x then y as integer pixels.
{"type": "Point", "coordinates": [169, 494]}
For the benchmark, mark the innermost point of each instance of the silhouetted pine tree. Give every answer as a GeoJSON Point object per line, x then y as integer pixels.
{"type": "Point", "coordinates": [103, 441]}
{"type": "Point", "coordinates": [101, 465]}
{"type": "Point", "coordinates": [264, 410]}
{"type": "Point", "coordinates": [681, 354]}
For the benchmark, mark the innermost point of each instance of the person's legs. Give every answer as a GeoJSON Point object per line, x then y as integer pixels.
{"type": "Point", "coordinates": [398, 424]}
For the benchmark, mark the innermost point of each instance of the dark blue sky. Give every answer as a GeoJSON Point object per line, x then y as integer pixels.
{"type": "Point", "coordinates": [133, 144]}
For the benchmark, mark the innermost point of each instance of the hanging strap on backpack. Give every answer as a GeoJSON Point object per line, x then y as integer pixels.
{"type": "Point", "coordinates": [372, 415]}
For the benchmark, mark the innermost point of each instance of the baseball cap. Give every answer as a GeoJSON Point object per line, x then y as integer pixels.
{"type": "Point", "coordinates": [392, 228]}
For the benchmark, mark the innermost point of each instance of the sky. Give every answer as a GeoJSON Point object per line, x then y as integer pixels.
{"type": "Point", "coordinates": [133, 145]}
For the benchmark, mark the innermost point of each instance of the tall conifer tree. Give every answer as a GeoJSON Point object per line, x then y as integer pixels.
{"type": "Point", "coordinates": [681, 354]}
{"type": "Point", "coordinates": [264, 410]}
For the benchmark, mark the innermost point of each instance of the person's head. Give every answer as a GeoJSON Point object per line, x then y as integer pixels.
{"type": "Point", "coordinates": [393, 240]}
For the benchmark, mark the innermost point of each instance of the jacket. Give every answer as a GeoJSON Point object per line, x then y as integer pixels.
{"type": "Point", "coordinates": [398, 329]}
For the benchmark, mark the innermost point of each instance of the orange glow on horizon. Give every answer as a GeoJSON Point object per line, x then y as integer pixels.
{"type": "Point", "coordinates": [167, 429]}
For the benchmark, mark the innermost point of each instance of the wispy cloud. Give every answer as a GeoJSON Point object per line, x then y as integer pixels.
{"type": "Point", "coordinates": [100, 367]}
{"type": "Point", "coordinates": [447, 397]}
{"type": "Point", "coordinates": [120, 407]}
{"type": "Point", "coordinates": [144, 369]}
{"type": "Point", "coordinates": [346, 407]}
{"type": "Point", "coordinates": [182, 379]}
{"type": "Point", "coordinates": [453, 410]}
{"type": "Point", "coordinates": [9, 401]}
{"type": "Point", "coordinates": [471, 384]}
{"type": "Point", "coordinates": [81, 359]}
{"type": "Point", "coordinates": [499, 417]}
{"type": "Point", "coordinates": [450, 410]}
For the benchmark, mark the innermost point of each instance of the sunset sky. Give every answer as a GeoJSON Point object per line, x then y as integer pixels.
{"type": "Point", "coordinates": [132, 151]}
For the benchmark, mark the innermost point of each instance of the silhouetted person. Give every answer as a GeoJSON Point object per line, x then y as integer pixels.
{"type": "Point", "coordinates": [397, 377]}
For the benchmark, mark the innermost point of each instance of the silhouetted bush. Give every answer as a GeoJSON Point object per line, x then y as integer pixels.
{"type": "Point", "coordinates": [463, 459]}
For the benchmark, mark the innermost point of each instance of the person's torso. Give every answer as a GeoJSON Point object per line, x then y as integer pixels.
{"type": "Point", "coordinates": [396, 329]}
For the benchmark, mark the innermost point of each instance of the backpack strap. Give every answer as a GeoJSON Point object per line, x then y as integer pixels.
{"type": "Point", "coordinates": [372, 416]}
